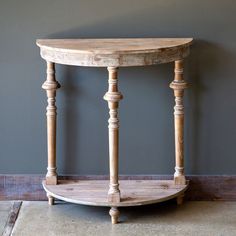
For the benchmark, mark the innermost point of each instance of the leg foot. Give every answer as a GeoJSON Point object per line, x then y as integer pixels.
{"type": "Point", "coordinates": [180, 199]}
{"type": "Point", "coordinates": [50, 200]}
{"type": "Point", "coordinates": [114, 213]}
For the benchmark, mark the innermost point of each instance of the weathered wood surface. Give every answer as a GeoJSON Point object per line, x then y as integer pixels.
{"type": "Point", "coordinates": [133, 192]}
{"type": "Point", "coordinates": [201, 188]}
{"type": "Point", "coordinates": [178, 85]}
{"type": "Point", "coordinates": [51, 86]}
{"type": "Point", "coordinates": [22, 187]}
{"type": "Point", "coordinates": [113, 96]}
{"type": "Point", "coordinates": [114, 52]}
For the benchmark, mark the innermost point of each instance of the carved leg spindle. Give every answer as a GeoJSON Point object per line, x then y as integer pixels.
{"type": "Point", "coordinates": [178, 85]}
{"type": "Point", "coordinates": [51, 85]}
{"type": "Point", "coordinates": [114, 213]}
{"type": "Point", "coordinates": [113, 96]}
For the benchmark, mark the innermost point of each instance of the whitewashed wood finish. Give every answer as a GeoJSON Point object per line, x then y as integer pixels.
{"type": "Point", "coordinates": [51, 85]}
{"type": "Point", "coordinates": [51, 199]}
{"type": "Point", "coordinates": [113, 96]}
{"type": "Point", "coordinates": [178, 85]}
{"type": "Point", "coordinates": [114, 52]}
{"type": "Point", "coordinates": [114, 213]}
{"type": "Point", "coordinates": [133, 192]}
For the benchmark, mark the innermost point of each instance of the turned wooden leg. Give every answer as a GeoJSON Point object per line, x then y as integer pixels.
{"type": "Point", "coordinates": [50, 200]}
{"type": "Point", "coordinates": [113, 96]}
{"type": "Point", "coordinates": [178, 85]}
{"type": "Point", "coordinates": [180, 199]}
{"type": "Point", "coordinates": [114, 213]}
{"type": "Point", "coordinates": [51, 85]}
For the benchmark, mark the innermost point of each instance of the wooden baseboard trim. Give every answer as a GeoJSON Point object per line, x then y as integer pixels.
{"type": "Point", "coordinates": [202, 187]}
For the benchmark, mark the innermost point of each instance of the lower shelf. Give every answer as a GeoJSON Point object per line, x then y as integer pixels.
{"type": "Point", "coordinates": [133, 192]}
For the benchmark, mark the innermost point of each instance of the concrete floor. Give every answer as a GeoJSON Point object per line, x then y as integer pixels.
{"type": "Point", "coordinates": [192, 218]}
{"type": "Point", "coordinates": [5, 209]}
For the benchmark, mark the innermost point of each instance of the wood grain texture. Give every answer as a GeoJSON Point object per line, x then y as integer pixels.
{"type": "Point", "coordinates": [114, 213]}
{"type": "Point", "coordinates": [201, 188]}
{"type": "Point", "coordinates": [113, 96]}
{"type": "Point", "coordinates": [178, 85]}
{"type": "Point", "coordinates": [133, 192]}
{"type": "Point", "coordinates": [114, 52]}
{"type": "Point", "coordinates": [51, 86]}
{"type": "Point", "coordinates": [22, 187]}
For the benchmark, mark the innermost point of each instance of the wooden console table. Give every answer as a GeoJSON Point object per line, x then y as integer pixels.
{"type": "Point", "coordinates": [114, 53]}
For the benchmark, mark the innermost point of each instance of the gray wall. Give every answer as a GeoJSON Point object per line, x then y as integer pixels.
{"type": "Point", "coordinates": [146, 113]}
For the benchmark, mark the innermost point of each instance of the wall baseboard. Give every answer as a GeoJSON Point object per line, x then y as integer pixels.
{"type": "Point", "coordinates": [202, 187]}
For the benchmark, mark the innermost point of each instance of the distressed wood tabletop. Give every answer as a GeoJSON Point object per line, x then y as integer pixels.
{"type": "Point", "coordinates": [114, 51]}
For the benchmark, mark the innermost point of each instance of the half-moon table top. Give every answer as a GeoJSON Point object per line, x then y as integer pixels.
{"type": "Point", "coordinates": [115, 52]}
